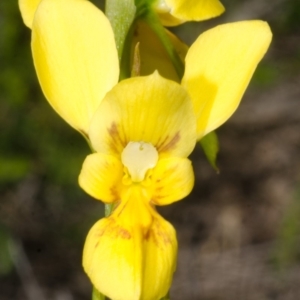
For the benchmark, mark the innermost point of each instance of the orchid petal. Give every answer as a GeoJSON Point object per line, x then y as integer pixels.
{"type": "Point", "coordinates": [172, 174]}
{"type": "Point", "coordinates": [101, 176]}
{"type": "Point", "coordinates": [147, 109]}
{"type": "Point", "coordinates": [219, 66]}
{"type": "Point", "coordinates": [75, 58]}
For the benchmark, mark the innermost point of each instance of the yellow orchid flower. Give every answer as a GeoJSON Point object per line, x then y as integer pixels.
{"type": "Point", "coordinates": [175, 12]}
{"type": "Point", "coordinates": [143, 131]}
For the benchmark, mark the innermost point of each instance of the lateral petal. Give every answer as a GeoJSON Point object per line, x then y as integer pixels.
{"type": "Point", "coordinates": [101, 177]}
{"type": "Point", "coordinates": [149, 109]}
{"type": "Point", "coordinates": [219, 66]}
{"type": "Point", "coordinates": [75, 58]}
{"type": "Point", "coordinates": [173, 179]}
{"type": "Point", "coordinates": [28, 8]}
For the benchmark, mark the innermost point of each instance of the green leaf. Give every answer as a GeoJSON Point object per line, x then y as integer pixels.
{"type": "Point", "coordinates": [210, 146]}
{"type": "Point", "coordinates": [121, 14]}
{"type": "Point", "coordinates": [97, 295]}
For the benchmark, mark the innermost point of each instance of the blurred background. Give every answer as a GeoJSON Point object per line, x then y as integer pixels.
{"type": "Point", "coordinates": [239, 230]}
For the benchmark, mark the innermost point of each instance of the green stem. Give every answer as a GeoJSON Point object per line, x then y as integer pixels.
{"type": "Point", "coordinates": [153, 21]}
{"type": "Point", "coordinates": [121, 14]}
{"type": "Point", "coordinates": [97, 295]}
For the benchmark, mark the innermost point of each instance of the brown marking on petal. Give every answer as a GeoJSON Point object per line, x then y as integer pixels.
{"type": "Point", "coordinates": [167, 173]}
{"type": "Point", "coordinates": [158, 235]}
{"type": "Point", "coordinates": [117, 231]}
{"type": "Point", "coordinates": [158, 190]}
{"type": "Point", "coordinates": [171, 144]}
{"type": "Point", "coordinates": [116, 143]}
{"type": "Point", "coordinates": [160, 143]}
{"type": "Point", "coordinates": [162, 238]}
{"type": "Point", "coordinates": [114, 230]}
{"type": "Point", "coordinates": [147, 234]}
{"type": "Point", "coordinates": [159, 186]}
{"type": "Point", "coordinates": [114, 192]}
{"type": "Point", "coordinates": [123, 233]}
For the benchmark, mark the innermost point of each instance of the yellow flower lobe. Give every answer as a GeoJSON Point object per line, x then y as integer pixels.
{"type": "Point", "coordinates": [132, 253]}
